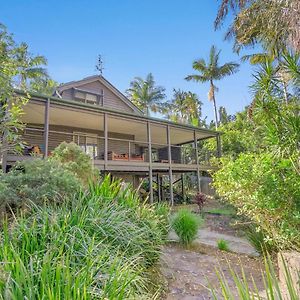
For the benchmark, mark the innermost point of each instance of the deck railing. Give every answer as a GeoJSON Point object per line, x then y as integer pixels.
{"type": "Point", "coordinates": [118, 149]}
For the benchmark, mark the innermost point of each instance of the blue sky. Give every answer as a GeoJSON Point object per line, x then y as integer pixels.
{"type": "Point", "coordinates": [135, 37]}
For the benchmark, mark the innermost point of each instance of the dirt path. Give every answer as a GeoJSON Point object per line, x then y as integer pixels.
{"type": "Point", "coordinates": [188, 271]}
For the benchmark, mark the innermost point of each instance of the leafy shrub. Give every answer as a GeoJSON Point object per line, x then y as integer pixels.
{"type": "Point", "coordinates": [97, 245]}
{"type": "Point", "coordinates": [186, 226]}
{"type": "Point", "coordinates": [74, 160]}
{"type": "Point", "coordinates": [223, 245]}
{"type": "Point", "coordinates": [267, 191]}
{"type": "Point", "coordinates": [36, 181]}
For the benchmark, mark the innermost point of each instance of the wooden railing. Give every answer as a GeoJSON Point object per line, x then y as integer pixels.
{"type": "Point", "coordinates": [118, 149]}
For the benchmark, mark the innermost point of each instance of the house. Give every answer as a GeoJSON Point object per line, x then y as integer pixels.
{"type": "Point", "coordinates": [120, 140]}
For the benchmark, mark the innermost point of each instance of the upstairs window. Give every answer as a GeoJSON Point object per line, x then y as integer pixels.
{"type": "Point", "coordinates": [89, 98]}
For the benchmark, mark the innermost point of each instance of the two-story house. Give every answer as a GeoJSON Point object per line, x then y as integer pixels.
{"type": "Point", "coordinates": [120, 140]}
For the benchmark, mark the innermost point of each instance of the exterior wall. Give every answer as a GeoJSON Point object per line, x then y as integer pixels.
{"type": "Point", "coordinates": [110, 99]}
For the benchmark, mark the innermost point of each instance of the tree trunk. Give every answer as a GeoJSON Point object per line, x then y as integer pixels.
{"type": "Point", "coordinates": [214, 103]}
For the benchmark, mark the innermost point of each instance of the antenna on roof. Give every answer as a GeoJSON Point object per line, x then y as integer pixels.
{"type": "Point", "coordinates": [99, 65]}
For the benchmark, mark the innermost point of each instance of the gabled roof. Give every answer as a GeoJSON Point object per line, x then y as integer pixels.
{"type": "Point", "coordinates": [103, 81]}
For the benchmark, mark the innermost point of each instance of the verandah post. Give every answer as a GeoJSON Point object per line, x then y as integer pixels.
{"type": "Point", "coordinates": [46, 127]}
{"type": "Point", "coordinates": [105, 127]}
{"type": "Point", "coordinates": [197, 161]}
{"type": "Point", "coordinates": [150, 161]}
{"type": "Point", "coordinates": [170, 165]}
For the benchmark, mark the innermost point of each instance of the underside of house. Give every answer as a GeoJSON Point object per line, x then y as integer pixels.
{"type": "Point", "coordinates": [118, 137]}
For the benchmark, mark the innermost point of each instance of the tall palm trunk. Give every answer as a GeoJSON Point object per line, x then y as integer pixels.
{"type": "Point", "coordinates": [214, 102]}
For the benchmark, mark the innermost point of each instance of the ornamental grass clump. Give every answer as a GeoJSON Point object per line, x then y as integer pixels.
{"type": "Point", "coordinates": [186, 225]}
{"type": "Point", "coordinates": [99, 244]}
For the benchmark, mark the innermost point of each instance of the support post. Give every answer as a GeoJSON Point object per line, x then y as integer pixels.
{"type": "Point", "coordinates": [150, 161]}
{"type": "Point", "coordinates": [158, 187]}
{"type": "Point", "coordinates": [182, 187]}
{"type": "Point", "coordinates": [197, 162]}
{"type": "Point", "coordinates": [170, 165]}
{"type": "Point", "coordinates": [46, 128]}
{"type": "Point", "coordinates": [105, 126]}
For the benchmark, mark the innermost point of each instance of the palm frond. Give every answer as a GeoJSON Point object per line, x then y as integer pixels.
{"type": "Point", "coordinates": [197, 78]}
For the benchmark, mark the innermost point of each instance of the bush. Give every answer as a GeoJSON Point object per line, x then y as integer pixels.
{"type": "Point", "coordinates": [74, 160]}
{"type": "Point", "coordinates": [266, 190]}
{"type": "Point", "coordinates": [36, 181]}
{"type": "Point", "coordinates": [97, 245]}
{"type": "Point", "coordinates": [186, 226]}
{"type": "Point", "coordinates": [223, 245]}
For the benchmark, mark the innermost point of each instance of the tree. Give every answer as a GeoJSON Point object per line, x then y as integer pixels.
{"type": "Point", "coordinates": [15, 62]}
{"type": "Point", "coordinates": [184, 107]}
{"type": "Point", "coordinates": [211, 71]}
{"type": "Point", "coordinates": [45, 86]}
{"type": "Point", "coordinates": [272, 23]}
{"type": "Point", "coordinates": [145, 94]}
{"type": "Point", "coordinates": [30, 67]}
{"type": "Point", "coordinates": [224, 117]}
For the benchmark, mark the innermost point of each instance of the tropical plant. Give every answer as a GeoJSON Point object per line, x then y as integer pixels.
{"type": "Point", "coordinates": [186, 226]}
{"type": "Point", "coordinates": [271, 23]}
{"type": "Point", "coordinates": [184, 107]}
{"type": "Point", "coordinates": [43, 85]}
{"type": "Point", "coordinates": [211, 71]}
{"type": "Point", "coordinates": [145, 94]}
{"type": "Point", "coordinates": [74, 160]}
{"type": "Point", "coordinates": [31, 67]}
{"type": "Point", "coordinates": [95, 245]}
{"type": "Point", "coordinates": [223, 245]}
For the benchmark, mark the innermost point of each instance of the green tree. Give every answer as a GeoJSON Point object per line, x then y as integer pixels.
{"type": "Point", "coordinates": [146, 95]}
{"type": "Point", "coordinates": [223, 115]}
{"type": "Point", "coordinates": [271, 23]}
{"type": "Point", "coordinates": [184, 107]}
{"type": "Point", "coordinates": [211, 71]}
{"type": "Point", "coordinates": [30, 67]}
{"type": "Point", "coordinates": [43, 85]}
{"type": "Point", "coordinates": [15, 62]}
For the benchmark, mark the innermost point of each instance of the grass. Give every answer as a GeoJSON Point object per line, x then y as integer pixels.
{"type": "Point", "coordinates": [186, 225]}
{"type": "Point", "coordinates": [226, 211]}
{"type": "Point", "coordinates": [257, 240]}
{"type": "Point", "coordinates": [99, 245]}
{"type": "Point", "coordinates": [223, 245]}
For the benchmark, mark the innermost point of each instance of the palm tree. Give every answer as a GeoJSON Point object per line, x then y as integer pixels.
{"type": "Point", "coordinates": [31, 67]}
{"type": "Point", "coordinates": [211, 71]}
{"type": "Point", "coordinates": [184, 107]}
{"type": "Point", "coordinates": [145, 95]}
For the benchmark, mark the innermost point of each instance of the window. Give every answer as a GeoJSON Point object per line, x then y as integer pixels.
{"type": "Point", "coordinates": [89, 98]}
{"type": "Point", "coordinates": [87, 142]}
